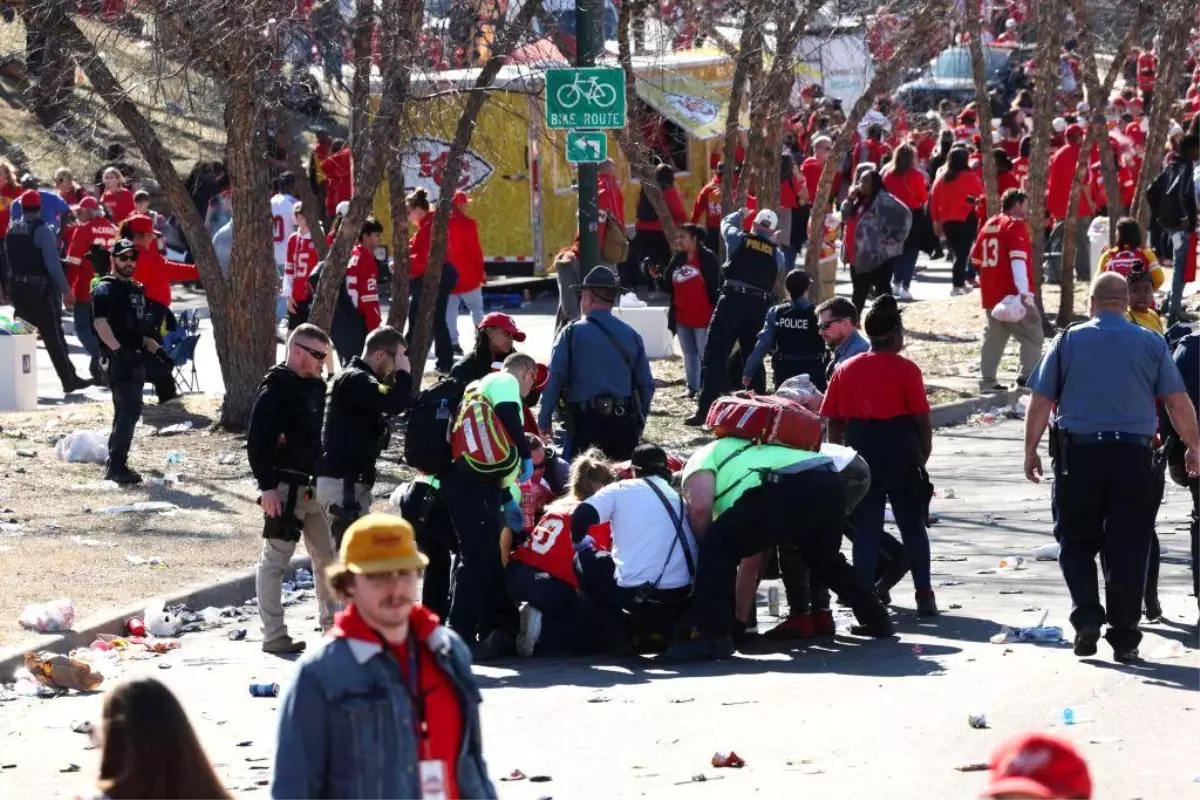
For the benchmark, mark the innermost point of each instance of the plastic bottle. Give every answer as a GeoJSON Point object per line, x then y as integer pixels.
{"type": "Point", "coordinates": [1012, 562]}
{"type": "Point", "coordinates": [175, 457]}
{"type": "Point", "coordinates": [443, 410]}
{"type": "Point", "coordinates": [1046, 633]}
{"type": "Point", "coordinates": [1047, 552]}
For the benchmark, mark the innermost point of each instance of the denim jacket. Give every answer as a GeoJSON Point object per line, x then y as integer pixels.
{"type": "Point", "coordinates": [345, 724]}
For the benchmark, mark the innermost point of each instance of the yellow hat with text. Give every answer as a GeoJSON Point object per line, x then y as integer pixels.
{"type": "Point", "coordinates": [381, 543]}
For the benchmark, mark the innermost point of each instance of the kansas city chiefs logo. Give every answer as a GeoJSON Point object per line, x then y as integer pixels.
{"type": "Point", "coordinates": [425, 160]}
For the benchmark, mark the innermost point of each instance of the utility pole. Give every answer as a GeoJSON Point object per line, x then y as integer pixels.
{"type": "Point", "coordinates": [589, 38]}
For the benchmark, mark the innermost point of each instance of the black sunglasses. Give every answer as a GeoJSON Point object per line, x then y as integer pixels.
{"type": "Point", "coordinates": [126, 257]}
{"type": "Point", "coordinates": [824, 326]}
{"type": "Point", "coordinates": [317, 354]}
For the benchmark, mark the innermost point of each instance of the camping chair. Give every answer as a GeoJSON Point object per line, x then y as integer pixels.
{"type": "Point", "coordinates": [183, 353]}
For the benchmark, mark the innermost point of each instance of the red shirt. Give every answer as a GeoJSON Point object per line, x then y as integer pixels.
{"type": "Point", "coordinates": [1021, 170]}
{"type": "Point", "coordinates": [8, 193]}
{"type": "Point", "coordinates": [1058, 184]}
{"type": "Point", "coordinates": [954, 200]}
{"type": "Point", "coordinates": [692, 306]}
{"type": "Point", "coordinates": [790, 191]}
{"type": "Point", "coordinates": [674, 203]}
{"type": "Point", "coordinates": [875, 385]}
{"type": "Point", "coordinates": [610, 199]}
{"type": "Point", "coordinates": [1012, 147]}
{"type": "Point", "coordinates": [339, 175]}
{"type": "Point", "coordinates": [301, 261]}
{"type": "Point", "coordinates": [908, 188]}
{"type": "Point", "coordinates": [1001, 241]}
{"type": "Point", "coordinates": [811, 169]}
{"type": "Point", "coordinates": [119, 204]}
{"type": "Point", "coordinates": [155, 273]}
{"type": "Point", "coordinates": [79, 270]}
{"type": "Point", "coordinates": [464, 251]}
{"type": "Point", "coordinates": [418, 247]}
{"type": "Point", "coordinates": [362, 283]}
{"type": "Point", "coordinates": [1004, 182]}
{"type": "Point", "coordinates": [549, 547]}
{"type": "Point", "coordinates": [707, 208]}
{"type": "Point", "coordinates": [443, 712]}
{"type": "Point", "coordinates": [925, 145]}
{"type": "Point", "coordinates": [871, 151]}
{"type": "Point", "coordinates": [1147, 67]}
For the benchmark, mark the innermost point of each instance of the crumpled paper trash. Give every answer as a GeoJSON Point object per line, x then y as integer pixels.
{"type": "Point", "coordinates": [62, 672]}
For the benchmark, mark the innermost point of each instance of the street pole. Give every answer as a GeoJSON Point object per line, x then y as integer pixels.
{"type": "Point", "coordinates": [589, 38]}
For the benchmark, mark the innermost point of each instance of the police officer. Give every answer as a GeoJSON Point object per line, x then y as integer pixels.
{"type": "Point", "coordinates": [125, 329]}
{"type": "Point", "coordinates": [599, 368]}
{"type": "Point", "coordinates": [753, 263]}
{"type": "Point", "coordinates": [1105, 375]}
{"type": "Point", "coordinates": [790, 335]}
{"type": "Point", "coordinates": [39, 286]}
{"type": "Point", "coordinates": [743, 499]}
{"type": "Point", "coordinates": [282, 444]}
{"type": "Point", "coordinates": [364, 393]}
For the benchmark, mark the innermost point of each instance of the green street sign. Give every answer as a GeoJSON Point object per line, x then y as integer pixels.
{"type": "Point", "coordinates": [585, 97]}
{"type": "Point", "coordinates": [587, 147]}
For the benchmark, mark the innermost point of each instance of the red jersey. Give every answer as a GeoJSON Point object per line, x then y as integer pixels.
{"type": "Point", "coordinates": [706, 210]}
{"type": "Point", "coordinates": [1021, 170]}
{"type": "Point", "coordinates": [118, 204]}
{"type": "Point", "coordinates": [301, 261]}
{"type": "Point", "coordinates": [1002, 241]}
{"type": "Point", "coordinates": [1125, 260]}
{"type": "Point", "coordinates": [155, 273]}
{"type": "Point", "coordinates": [362, 283]}
{"type": "Point", "coordinates": [97, 231]}
{"type": "Point", "coordinates": [339, 174]}
{"type": "Point", "coordinates": [811, 169]}
{"type": "Point", "coordinates": [1004, 182]}
{"type": "Point", "coordinates": [549, 547]}
{"type": "Point", "coordinates": [871, 151]}
{"type": "Point", "coordinates": [875, 385]}
{"type": "Point", "coordinates": [1147, 70]}
{"type": "Point", "coordinates": [693, 309]}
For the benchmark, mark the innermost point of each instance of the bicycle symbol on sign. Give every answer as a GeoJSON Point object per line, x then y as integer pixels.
{"type": "Point", "coordinates": [599, 94]}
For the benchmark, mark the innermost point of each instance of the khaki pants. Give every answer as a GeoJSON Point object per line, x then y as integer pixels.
{"type": "Point", "coordinates": [277, 554]}
{"type": "Point", "coordinates": [1028, 333]}
{"type": "Point", "coordinates": [331, 492]}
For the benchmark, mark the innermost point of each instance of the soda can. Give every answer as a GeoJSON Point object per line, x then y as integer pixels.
{"type": "Point", "coordinates": [773, 601]}
{"type": "Point", "coordinates": [135, 626]}
{"type": "Point", "coordinates": [237, 634]}
{"type": "Point", "coordinates": [264, 690]}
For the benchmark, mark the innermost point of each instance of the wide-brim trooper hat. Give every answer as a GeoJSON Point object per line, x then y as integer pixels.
{"type": "Point", "coordinates": [601, 278]}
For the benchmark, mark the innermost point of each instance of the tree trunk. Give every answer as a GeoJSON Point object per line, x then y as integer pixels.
{"type": "Point", "coordinates": [56, 78]}
{"type": "Point", "coordinates": [360, 84]}
{"type": "Point", "coordinates": [885, 75]}
{"type": "Point", "coordinates": [1174, 51]}
{"type": "Point", "coordinates": [1049, 22]}
{"type": "Point", "coordinates": [1098, 95]}
{"type": "Point", "coordinates": [313, 209]}
{"type": "Point", "coordinates": [742, 60]}
{"type": "Point", "coordinates": [983, 108]}
{"type": "Point", "coordinates": [401, 265]}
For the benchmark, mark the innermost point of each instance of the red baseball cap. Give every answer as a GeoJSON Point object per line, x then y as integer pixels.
{"type": "Point", "coordinates": [30, 199]}
{"type": "Point", "coordinates": [504, 322]}
{"type": "Point", "coordinates": [1039, 765]}
{"type": "Point", "coordinates": [460, 198]}
{"type": "Point", "coordinates": [1074, 131]}
{"type": "Point", "coordinates": [1136, 103]}
{"type": "Point", "coordinates": [140, 223]}
{"type": "Point", "coordinates": [90, 202]}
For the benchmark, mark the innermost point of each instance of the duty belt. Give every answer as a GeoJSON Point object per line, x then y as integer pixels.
{"type": "Point", "coordinates": [1110, 437]}
{"type": "Point", "coordinates": [606, 404]}
{"type": "Point", "coordinates": [746, 289]}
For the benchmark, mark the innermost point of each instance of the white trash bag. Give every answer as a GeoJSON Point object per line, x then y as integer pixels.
{"type": "Point", "coordinates": [82, 447]}
{"type": "Point", "coordinates": [1010, 309]}
{"type": "Point", "coordinates": [52, 617]}
{"type": "Point", "coordinates": [158, 622]}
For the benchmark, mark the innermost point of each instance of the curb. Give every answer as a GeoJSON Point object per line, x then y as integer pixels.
{"type": "Point", "coordinates": [958, 412]}
{"type": "Point", "coordinates": [233, 590]}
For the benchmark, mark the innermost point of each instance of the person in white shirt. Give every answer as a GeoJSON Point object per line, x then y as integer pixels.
{"type": "Point", "coordinates": [642, 587]}
{"type": "Point", "coordinates": [283, 218]}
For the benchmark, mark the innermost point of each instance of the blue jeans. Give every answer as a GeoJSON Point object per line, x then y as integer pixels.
{"type": "Point", "coordinates": [691, 342]}
{"type": "Point", "coordinates": [473, 300]}
{"type": "Point", "coordinates": [1178, 241]}
{"type": "Point", "coordinates": [906, 266]}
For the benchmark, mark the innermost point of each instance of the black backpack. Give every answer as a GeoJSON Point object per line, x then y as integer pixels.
{"type": "Point", "coordinates": [430, 418]}
{"type": "Point", "coordinates": [1168, 194]}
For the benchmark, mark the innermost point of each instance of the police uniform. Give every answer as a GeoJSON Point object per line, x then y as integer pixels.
{"type": "Point", "coordinates": [754, 263]}
{"type": "Point", "coordinates": [355, 432]}
{"type": "Point", "coordinates": [283, 441]}
{"type": "Point", "coordinates": [122, 302]}
{"type": "Point", "coordinates": [790, 335]}
{"type": "Point", "coordinates": [599, 369]}
{"type": "Point", "coordinates": [1105, 375]}
{"type": "Point", "coordinates": [38, 287]}
{"type": "Point", "coordinates": [766, 496]}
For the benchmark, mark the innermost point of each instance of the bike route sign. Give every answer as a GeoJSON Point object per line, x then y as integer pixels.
{"type": "Point", "coordinates": [585, 97]}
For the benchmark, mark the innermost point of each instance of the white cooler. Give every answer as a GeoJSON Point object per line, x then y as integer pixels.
{"type": "Point", "coordinates": [651, 323]}
{"type": "Point", "coordinates": [18, 372]}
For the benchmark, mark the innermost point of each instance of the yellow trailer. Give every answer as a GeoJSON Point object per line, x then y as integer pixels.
{"type": "Point", "coordinates": [521, 186]}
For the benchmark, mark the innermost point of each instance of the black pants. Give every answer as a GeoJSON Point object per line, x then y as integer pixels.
{"type": "Point", "coordinates": [159, 376]}
{"type": "Point", "coordinates": [300, 316]}
{"type": "Point", "coordinates": [478, 583]}
{"type": "Point", "coordinates": [878, 280]}
{"type": "Point", "coordinates": [567, 625]}
{"type": "Point", "coordinates": [615, 435]}
{"type": "Point", "coordinates": [961, 237]}
{"type": "Point", "coordinates": [443, 347]}
{"type": "Point", "coordinates": [126, 375]}
{"type": "Point", "coordinates": [41, 307]}
{"type": "Point", "coordinates": [765, 517]}
{"type": "Point", "coordinates": [1194, 486]}
{"type": "Point", "coordinates": [623, 612]}
{"type": "Point", "coordinates": [1106, 503]}
{"type": "Point", "coordinates": [736, 321]}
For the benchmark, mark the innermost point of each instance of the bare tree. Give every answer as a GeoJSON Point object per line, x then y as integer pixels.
{"type": "Point", "coordinates": [983, 106]}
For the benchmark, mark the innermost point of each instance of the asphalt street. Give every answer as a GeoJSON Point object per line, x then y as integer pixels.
{"type": "Point", "coordinates": [841, 718]}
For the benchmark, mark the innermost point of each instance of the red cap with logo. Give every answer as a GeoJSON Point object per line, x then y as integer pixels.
{"type": "Point", "coordinates": [30, 199]}
{"type": "Point", "coordinates": [504, 322]}
{"type": "Point", "coordinates": [460, 198]}
{"type": "Point", "coordinates": [140, 223]}
{"type": "Point", "coordinates": [90, 203]}
{"type": "Point", "coordinates": [1039, 765]}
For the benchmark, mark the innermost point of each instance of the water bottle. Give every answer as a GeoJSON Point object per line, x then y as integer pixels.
{"type": "Point", "coordinates": [443, 409]}
{"type": "Point", "coordinates": [175, 457]}
{"type": "Point", "coordinates": [1049, 633]}
{"type": "Point", "coordinates": [1011, 562]}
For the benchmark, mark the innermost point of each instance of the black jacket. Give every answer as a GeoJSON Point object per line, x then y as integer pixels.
{"type": "Point", "coordinates": [471, 367]}
{"type": "Point", "coordinates": [283, 440]}
{"type": "Point", "coordinates": [710, 270]}
{"type": "Point", "coordinates": [356, 429]}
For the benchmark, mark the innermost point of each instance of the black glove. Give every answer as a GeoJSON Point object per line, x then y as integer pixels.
{"type": "Point", "coordinates": [164, 358]}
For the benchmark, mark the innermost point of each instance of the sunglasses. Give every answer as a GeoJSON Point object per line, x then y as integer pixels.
{"type": "Point", "coordinates": [319, 355]}
{"type": "Point", "coordinates": [126, 258]}
{"type": "Point", "coordinates": [824, 326]}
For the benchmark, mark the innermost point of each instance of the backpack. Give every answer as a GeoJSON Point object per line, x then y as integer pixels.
{"type": "Point", "coordinates": [479, 443]}
{"type": "Point", "coordinates": [765, 419]}
{"type": "Point", "coordinates": [427, 439]}
{"type": "Point", "coordinates": [1168, 195]}
{"type": "Point", "coordinates": [614, 247]}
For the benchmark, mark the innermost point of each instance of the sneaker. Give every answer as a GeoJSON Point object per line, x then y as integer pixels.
{"type": "Point", "coordinates": [904, 295]}
{"type": "Point", "coordinates": [889, 577]}
{"type": "Point", "coordinates": [879, 630]}
{"type": "Point", "coordinates": [501, 643]}
{"type": "Point", "coordinates": [122, 474]}
{"type": "Point", "coordinates": [1154, 610]}
{"type": "Point", "coordinates": [895, 289]}
{"type": "Point", "coordinates": [1086, 639]}
{"type": "Point", "coordinates": [175, 399]}
{"type": "Point", "coordinates": [694, 421]}
{"type": "Point", "coordinates": [926, 603]}
{"type": "Point", "coordinates": [992, 386]}
{"type": "Point", "coordinates": [958, 291]}
{"type": "Point", "coordinates": [701, 649]}
{"type": "Point", "coordinates": [823, 623]}
{"type": "Point", "coordinates": [796, 626]}
{"type": "Point", "coordinates": [1129, 656]}
{"type": "Point", "coordinates": [283, 645]}
{"type": "Point", "coordinates": [78, 384]}
{"type": "Point", "coordinates": [530, 632]}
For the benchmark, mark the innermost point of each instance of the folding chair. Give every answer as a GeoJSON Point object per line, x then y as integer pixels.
{"type": "Point", "coordinates": [182, 354]}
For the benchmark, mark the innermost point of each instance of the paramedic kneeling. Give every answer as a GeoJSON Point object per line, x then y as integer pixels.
{"type": "Point", "coordinates": [744, 498]}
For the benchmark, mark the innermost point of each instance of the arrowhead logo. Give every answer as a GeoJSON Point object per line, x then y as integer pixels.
{"type": "Point", "coordinates": [424, 162]}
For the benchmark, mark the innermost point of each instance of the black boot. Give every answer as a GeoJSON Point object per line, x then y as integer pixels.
{"type": "Point", "coordinates": [889, 576]}
{"type": "Point", "coordinates": [119, 472]}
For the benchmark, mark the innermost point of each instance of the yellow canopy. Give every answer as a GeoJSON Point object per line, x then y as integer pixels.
{"type": "Point", "coordinates": [688, 102]}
